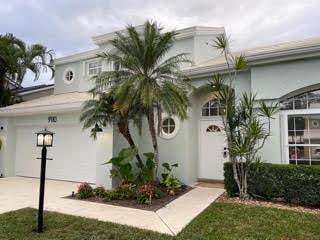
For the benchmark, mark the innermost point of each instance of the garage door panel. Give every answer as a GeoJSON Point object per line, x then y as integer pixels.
{"type": "Point", "coordinates": [27, 163]}
{"type": "Point", "coordinates": [73, 154]}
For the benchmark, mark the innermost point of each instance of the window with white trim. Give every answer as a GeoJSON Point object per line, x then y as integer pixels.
{"type": "Point", "coordinates": [69, 75]}
{"type": "Point", "coordinates": [168, 125]}
{"type": "Point", "coordinates": [304, 139]}
{"type": "Point", "coordinates": [307, 100]}
{"type": "Point", "coordinates": [213, 108]}
{"type": "Point", "coordinates": [94, 68]}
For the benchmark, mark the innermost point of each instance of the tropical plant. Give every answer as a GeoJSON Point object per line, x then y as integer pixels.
{"type": "Point", "coordinates": [102, 110]}
{"type": "Point", "coordinates": [121, 166]}
{"type": "Point", "coordinates": [244, 119]}
{"type": "Point", "coordinates": [172, 184]}
{"type": "Point", "coordinates": [146, 171]}
{"type": "Point", "coordinates": [167, 170]}
{"type": "Point", "coordinates": [16, 58]}
{"type": "Point", "coordinates": [145, 78]}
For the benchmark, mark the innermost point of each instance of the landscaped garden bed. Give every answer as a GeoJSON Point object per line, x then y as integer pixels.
{"type": "Point", "coordinates": [127, 196]}
{"type": "Point", "coordinates": [138, 186]}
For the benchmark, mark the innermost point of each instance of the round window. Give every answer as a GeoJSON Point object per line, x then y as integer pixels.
{"type": "Point", "coordinates": [168, 125]}
{"type": "Point", "coordinates": [68, 76]}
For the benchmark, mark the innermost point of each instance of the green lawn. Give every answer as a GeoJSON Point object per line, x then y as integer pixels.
{"type": "Point", "coordinates": [219, 221]}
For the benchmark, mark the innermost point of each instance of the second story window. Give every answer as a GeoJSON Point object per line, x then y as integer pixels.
{"type": "Point", "coordinates": [94, 68]}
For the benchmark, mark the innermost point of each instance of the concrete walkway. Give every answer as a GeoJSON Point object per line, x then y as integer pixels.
{"type": "Point", "coordinates": [17, 193]}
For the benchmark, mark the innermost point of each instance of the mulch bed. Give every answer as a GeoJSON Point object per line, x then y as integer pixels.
{"type": "Point", "coordinates": [132, 203]}
{"type": "Point", "coordinates": [264, 203]}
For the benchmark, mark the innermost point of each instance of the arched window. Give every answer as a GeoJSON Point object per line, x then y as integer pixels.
{"type": "Point", "coordinates": [213, 108]}
{"type": "Point", "coordinates": [213, 128]}
{"type": "Point", "coordinates": [307, 100]}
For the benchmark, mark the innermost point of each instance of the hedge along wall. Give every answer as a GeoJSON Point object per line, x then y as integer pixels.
{"type": "Point", "coordinates": [294, 184]}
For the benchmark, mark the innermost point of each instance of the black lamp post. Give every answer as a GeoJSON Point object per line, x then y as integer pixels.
{"type": "Point", "coordinates": [44, 140]}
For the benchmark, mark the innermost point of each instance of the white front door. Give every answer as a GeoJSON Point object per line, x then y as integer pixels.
{"type": "Point", "coordinates": [213, 143]}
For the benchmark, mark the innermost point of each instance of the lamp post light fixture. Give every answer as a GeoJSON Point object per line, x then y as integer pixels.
{"type": "Point", "coordinates": [44, 140]}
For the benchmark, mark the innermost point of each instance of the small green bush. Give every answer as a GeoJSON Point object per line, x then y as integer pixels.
{"type": "Point", "coordinates": [172, 184]}
{"type": "Point", "coordinates": [99, 192]}
{"type": "Point", "coordinates": [143, 198]}
{"type": "Point", "coordinates": [124, 192]}
{"type": "Point", "coordinates": [85, 191]}
{"type": "Point", "coordinates": [294, 184]}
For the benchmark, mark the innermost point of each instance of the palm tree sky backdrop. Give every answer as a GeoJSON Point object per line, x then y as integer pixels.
{"type": "Point", "coordinates": [66, 26]}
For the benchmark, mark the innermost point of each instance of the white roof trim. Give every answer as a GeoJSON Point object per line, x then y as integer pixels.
{"type": "Point", "coordinates": [260, 56]}
{"type": "Point", "coordinates": [182, 33]}
{"type": "Point", "coordinates": [36, 90]}
{"type": "Point", "coordinates": [57, 108]}
{"type": "Point", "coordinates": [78, 57]}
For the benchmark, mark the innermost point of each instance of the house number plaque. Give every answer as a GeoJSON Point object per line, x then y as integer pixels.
{"type": "Point", "coordinates": [52, 119]}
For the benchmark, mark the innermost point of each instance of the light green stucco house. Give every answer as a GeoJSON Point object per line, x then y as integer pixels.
{"type": "Point", "coordinates": [288, 73]}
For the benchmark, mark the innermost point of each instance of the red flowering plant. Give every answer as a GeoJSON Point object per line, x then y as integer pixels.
{"type": "Point", "coordinates": [145, 193]}
{"type": "Point", "coordinates": [85, 191]}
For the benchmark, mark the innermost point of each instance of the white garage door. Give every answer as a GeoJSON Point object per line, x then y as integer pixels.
{"type": "Point", "coordinates": [73, 154]}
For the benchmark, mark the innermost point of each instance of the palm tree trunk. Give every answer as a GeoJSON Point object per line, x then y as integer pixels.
{"type": "Point", "coordinates": [125, 131]}
{"type": "Point", "coordinates": [153, 134]}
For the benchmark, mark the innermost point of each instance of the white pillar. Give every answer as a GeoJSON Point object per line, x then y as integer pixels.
{"type": "Point", "coordinates": [104, 150]}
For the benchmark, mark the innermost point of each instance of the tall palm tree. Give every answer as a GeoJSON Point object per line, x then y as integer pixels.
{"type": "Point", "coordinates": [16, 58]}
{"type": "Point", "coordinates": [102, 110]}
{"type": "Point", "coordinates": [147, 76]}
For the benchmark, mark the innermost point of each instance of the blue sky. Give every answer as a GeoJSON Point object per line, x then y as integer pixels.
{"type": "Point", "coordinates": [66, 26]}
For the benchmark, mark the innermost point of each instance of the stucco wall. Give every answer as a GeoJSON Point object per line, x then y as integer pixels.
{"type": "Point", "coordinates": [275, 80]}
{"type": "Point", "coordinates": [60, 86]}
{"type": "Point", "coordinates": [195, 46]}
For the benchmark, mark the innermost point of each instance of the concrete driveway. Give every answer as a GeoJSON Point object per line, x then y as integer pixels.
{"type": "Point", "coordinates": [18, 192]}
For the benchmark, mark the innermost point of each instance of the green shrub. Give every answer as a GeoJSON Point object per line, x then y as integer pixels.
{"type": "Point", "coordinates": [143, 198]}
{"type": "Point", "coordinates": [124, 192]}
{"type": "Point", "coordinates": [121, 166]}
{"type": "Point", "coordinates": [99, 192]}
{"type": "Point", "coordinates": [229, 183]}
{"type": "Point", "coordinates": [146, 170]}
{"type": "Point", "coordinates": [294, 184]}
{"type": "Point", "coordinates": [85, 191]}
{"type": "Point", "coordinates": [172, 184]}
{"type": "Point", "coordinates": [167, 170]}
{"type": "Point", "coordinates": [157, 193]}
{"type": "Point", "coordinates": [145, 193]}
